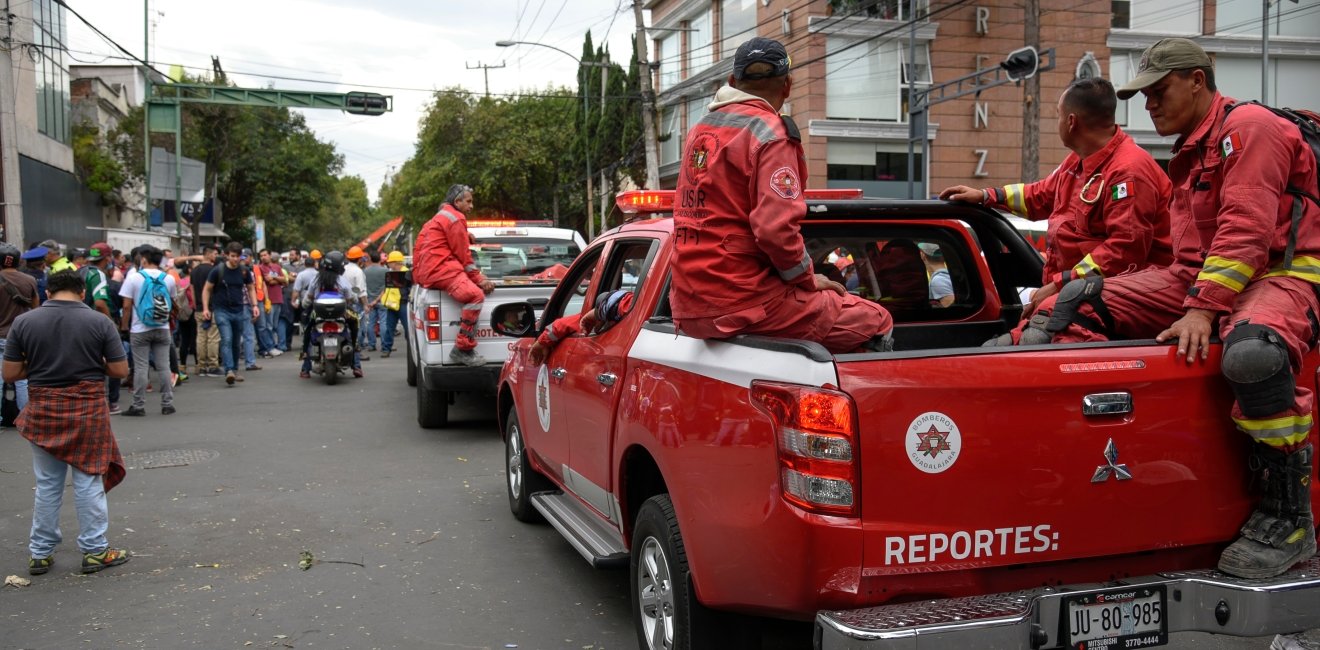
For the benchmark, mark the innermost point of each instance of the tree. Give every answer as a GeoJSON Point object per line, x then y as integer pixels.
{"type": "Point", "coordinates": [96, 162]}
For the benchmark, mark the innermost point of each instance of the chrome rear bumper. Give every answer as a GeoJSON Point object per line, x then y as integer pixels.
{"type": "Point", "coordinates": [1198, 601]}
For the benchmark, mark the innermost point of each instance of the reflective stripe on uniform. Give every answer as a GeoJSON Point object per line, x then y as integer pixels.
{"type": "Point", "coordinates": [1015, 198]}
{"type": "Point", "coordinates": [795, 272]}
{"type": "Point", "coordinates": [1277, 432]}
{"type": "Point", "coordinates": [1226, 272]}
{"type": "Point", "coordinates": [470, 267]}
{"type": "Point", "coordinates": [1303, 268]}
{"type": "Point", "coordinates": [1087, 267]}
{"type": "Point", "coordinates": [448, 215]}
{"type": "Point", "coordinates": [763, 132]}
{"type": "Point", "coordinates": [472, 306]}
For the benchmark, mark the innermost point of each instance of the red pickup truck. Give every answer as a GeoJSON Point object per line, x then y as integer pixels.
{"type": "Point", "coordinates": [940, 495]}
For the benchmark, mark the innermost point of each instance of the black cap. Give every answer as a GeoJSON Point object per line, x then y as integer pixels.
{"type": "Point", "coordinates": [761, 50]}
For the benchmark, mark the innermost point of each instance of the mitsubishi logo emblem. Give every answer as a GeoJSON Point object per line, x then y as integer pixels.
{"type": "Point", "coordinates": [1111, 466]}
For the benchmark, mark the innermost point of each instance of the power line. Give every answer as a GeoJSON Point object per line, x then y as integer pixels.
{"type": "Point", "coordinates": [111, 41]}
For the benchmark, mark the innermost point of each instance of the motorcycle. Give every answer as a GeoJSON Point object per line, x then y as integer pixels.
{"type": "Point", "coordinates": [332, 347]}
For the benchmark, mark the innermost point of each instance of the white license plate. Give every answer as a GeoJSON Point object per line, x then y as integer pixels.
{"type": "Point", "coordinates": [1117, 618]}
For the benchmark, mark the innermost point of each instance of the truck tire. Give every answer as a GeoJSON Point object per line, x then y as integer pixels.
{"type": "Point", "coordinates": [521, 480]}
{"type": "Point", "coordinates": [662, 595]}
{"type": "Point", "coordinates": [411, 373]}
{"type": "Point", "coordinates": [432, 408]}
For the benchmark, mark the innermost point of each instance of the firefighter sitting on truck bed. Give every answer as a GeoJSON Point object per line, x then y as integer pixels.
{"type": "Point", "coordinates": [1246, 252]}
{"type": "Point", "coordinates": [442, 260]}
{"type": "Point", "coordinates": [1107, 204]}
{"type": "Point", "coordinates": [740, 264]}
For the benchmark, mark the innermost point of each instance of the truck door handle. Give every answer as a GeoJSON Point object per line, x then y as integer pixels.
{"type": "Point", "coordinates": [558, 373]}
{"type": "Point", "coordinates": [606, 378]}
{"type": "Point", "coordinates": [1107, 403]}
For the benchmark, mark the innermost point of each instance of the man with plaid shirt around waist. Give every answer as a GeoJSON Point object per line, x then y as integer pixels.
{"type": "Point", "coordinates": [66, 350]}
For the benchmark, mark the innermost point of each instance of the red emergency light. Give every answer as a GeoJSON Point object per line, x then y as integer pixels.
{"type": "Point", "coordinates": [508, 223]}
{"type": "Point", "coordinates": [635, 201]}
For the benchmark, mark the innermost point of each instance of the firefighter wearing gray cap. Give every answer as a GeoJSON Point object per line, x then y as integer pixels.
{"type": "Point", "coordinates": [1246, 240]}
{"type": "Point", "coordinates": [741, 266]}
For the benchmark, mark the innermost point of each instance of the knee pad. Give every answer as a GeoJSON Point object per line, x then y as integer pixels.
{"type": "Point", "coordinates": [1256, 366]}
{"type": "Point", "coordinates": [1071, 297]}
{"type": "Point", "coordinates": [1037, 331]}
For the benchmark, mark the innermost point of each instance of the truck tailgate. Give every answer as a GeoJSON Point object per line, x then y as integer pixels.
{"type": "Point", "coordinates": [982, 459]}
{"type": "Point", "coordinates": [493, 346]}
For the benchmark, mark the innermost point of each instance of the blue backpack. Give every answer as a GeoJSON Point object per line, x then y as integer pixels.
{"type": "Point", "coordinates": [153, 305]}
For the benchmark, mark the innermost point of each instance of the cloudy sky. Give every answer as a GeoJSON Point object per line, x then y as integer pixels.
{"type": "Point", "coordinates": [405, 47]}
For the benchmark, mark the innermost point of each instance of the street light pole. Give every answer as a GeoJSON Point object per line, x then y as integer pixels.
{"type": "Point", "coordinates": [586, 118]}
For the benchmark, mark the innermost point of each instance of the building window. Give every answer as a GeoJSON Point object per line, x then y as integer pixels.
{"type": "Point", "coordinates": [866, 82]}
{"type": "Point", "coordinates": [737, 25]}
{"type": "Point", "coordinates": [1159, 16]}
{"type": "Point", "coordinates": [884, 9]}
{"type": "Point", "coordinates": [668, 58]}
{"type": "Point", "coordinates": [669, 147]}
{"type": "Point", "coordinates": [700, 48]}
{"type": "Point", "coordinates": [1286, 19]}
{"type": "Point", "coordinates": [696, 109]}
{"type": "Point", "coordinates": [877, 168]}
{"type": "Point", "coordinates": [50, 34]}
{"type": "Point", "coordinates": [887, 166]}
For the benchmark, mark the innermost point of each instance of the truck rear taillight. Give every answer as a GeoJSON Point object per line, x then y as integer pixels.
{"type": "Point", "coordinates": [817, 433]}
{"type": "Point", "coordinates": [432, 323]}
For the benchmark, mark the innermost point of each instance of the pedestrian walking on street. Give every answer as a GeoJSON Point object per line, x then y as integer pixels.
{"type": "Point", "coordinates": [18, 297]}
{"type": "Point", "coordinates": [66, 350]}
{"type": "Point", "coordinates": [148, 306]}
{"type": "Point", "coordinates": [374, 273]}
{"type": "Point", "coordinates": [208, 335]}
{"type": "Point", "coordinates": [394, 300]}
{"type": "Point", "coordinates": [272, 275]}
{"type": "Point", "coordinates": [228, 297]}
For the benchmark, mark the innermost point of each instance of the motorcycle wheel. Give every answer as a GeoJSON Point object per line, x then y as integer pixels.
{"type": "Point", "coordinates": [330, 371]}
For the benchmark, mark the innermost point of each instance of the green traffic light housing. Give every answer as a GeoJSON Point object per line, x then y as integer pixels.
{"type": "Point", "coordinates": [360, 103]}
{"type": "Point", "coordinates": [1021, 63]}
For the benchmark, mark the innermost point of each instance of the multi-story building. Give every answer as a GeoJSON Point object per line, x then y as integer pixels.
{"type": "Point", "coordinates": [42, 196]}
{"type": "Point", "coordinates": [850, 59]}
{"type": "Point", "coordinates": [102, 97]}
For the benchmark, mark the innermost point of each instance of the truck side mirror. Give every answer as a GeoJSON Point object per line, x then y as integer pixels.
{"type": "Point", "coordinates": [516, 319]}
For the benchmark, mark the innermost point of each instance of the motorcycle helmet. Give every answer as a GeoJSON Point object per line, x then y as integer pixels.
{"type": "Point", "coordinates": [333, 262]}
{"type": "Point", "coordinates": [9, 255]}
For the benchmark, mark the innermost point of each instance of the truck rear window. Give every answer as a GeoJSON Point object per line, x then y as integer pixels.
{"type": "Point", "coordinates": [501, 257]}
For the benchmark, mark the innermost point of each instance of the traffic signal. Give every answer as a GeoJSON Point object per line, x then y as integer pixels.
{"type": "Point", "coordinates": [360, 103]}
{"type": "Point", "coordinates": [1021, 64]}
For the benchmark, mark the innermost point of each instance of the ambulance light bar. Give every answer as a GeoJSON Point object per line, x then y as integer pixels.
{"type": "Point", "coordinates": [635, 201]}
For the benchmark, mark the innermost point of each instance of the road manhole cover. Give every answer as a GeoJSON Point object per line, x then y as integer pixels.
{"type": "Point", "coordinates": [169, 458]}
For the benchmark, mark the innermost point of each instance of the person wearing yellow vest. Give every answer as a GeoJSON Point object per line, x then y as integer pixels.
{"type": "Point", "coordinates": [394, 299]}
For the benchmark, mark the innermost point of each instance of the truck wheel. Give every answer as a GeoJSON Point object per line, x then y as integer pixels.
{"type": "Point", "coordinates": [664, 606]}
{"type": "Point", "coordinates": [432, 408]}
{"type": "Point", "coordinates": [411, 373]}
{"type": "Point", "coordinates": [523, 481]}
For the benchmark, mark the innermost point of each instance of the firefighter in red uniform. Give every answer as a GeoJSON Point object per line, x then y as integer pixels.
{"type": "Point", "coordinates": [1247, 259]}
{"type": "Point", "coordinates": [1107, 203]}
{"type": "Point", "coordinates": [442, 260]}
{"type": "Point", "coordinates": [741, 266]}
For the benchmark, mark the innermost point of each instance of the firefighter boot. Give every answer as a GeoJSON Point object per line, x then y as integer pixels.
{"type": "Point", "coordinates": [1281, 531]}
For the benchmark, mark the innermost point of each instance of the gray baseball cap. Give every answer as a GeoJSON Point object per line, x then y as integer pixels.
{"type": "Point", "coordinates": [1160, 59]}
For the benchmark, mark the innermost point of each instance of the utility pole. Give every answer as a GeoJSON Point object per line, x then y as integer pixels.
{"type": "Point", "coordinates": [648, 102]}
{"type": "Point", "coordinates": [1031, 99]}
{"type": "Point", "coordinates": [485, 72]}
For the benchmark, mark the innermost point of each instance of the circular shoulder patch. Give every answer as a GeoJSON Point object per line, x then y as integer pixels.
{"type": "Point", "coordinates": [699, 153]}
{"type": "Point", "coordinates": [933, 442]}
{"type": "Point", "coordinates": [543, 397]}
{"type": "Point", "coordinates": [784, 181]}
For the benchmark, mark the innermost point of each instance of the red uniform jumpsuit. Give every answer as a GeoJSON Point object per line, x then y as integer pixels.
{"type": "Point", "coordinates": [567, 326]}
{"type": "Point", "coordinates": [442, 260]}
{"type": "Point", "coordinates": [1108, 214]}
{"type": "Point", "coordinates": [1232, 217]}
{"type": "Point", "coordinates": [741, 266]}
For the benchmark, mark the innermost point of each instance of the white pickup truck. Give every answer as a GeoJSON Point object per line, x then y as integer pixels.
{"type": "Point", "coordinates": [512, 257]}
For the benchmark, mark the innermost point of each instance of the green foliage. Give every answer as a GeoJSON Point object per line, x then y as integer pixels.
{"type": "Point", "coordinates": [527, 155]}
{"type": "Point", "coordinates": [97, 165]}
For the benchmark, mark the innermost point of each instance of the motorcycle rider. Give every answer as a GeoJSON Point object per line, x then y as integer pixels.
{"type": "Point", "coordinates": [329, 280]}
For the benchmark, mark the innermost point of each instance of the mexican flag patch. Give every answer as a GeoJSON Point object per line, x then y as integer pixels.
{"type": "Point", "coordinates": [1230, 144]}
{"type": "Point", "coordinates": [1120, 191]}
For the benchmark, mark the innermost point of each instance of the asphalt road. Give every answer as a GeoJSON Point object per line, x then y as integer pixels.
{"type": "Point", "coordinates": [278, 465]}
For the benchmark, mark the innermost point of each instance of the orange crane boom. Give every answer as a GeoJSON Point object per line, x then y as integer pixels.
{"type": "Point", "coordinates": [380, 232]}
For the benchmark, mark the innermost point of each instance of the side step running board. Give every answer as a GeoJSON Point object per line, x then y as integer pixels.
{"type": "Point", "coordinates": [596, 541]}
